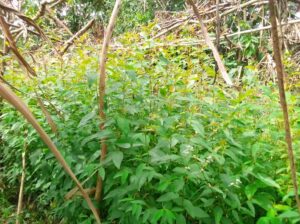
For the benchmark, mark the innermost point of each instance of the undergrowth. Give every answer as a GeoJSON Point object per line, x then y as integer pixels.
{"type": "Point", "coordinates": [180, 149]}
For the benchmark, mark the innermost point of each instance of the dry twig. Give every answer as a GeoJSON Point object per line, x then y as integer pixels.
{"type": "Point", "coordinates": [78, 34]}
{"type": "Point", "coordinates": [210, 44]}
{"type": "Point", "coordinates": [13, 46]}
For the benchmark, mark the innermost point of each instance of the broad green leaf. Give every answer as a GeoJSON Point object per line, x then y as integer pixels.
{"type": "Point", "coordinates": [264, 200]}
{"type": "Point", "coordinates": [123, 124]}
{"type": "Point", "coordinates": [158, 156]}
{"type": "Point", "coordinates": [157, 216]}
{"type": "Point", "coordinates": [101, 172]}
{"type": "Point", "coordinates": [268, 181]}
{"type": "Point", "coordinates": [86, 119]}
{"type": "Point", "coordinates": [251, 208]}
{"type": "Point", "coordinates": [193, 211]}
{"type": "Point", "coordinates": [168, 217]}
{"type": "Point", "coordinates": [124, 145]}
{"type": "Point", "coordinates": [218, 213]}
{"type": "Point", "coordinates": [289, 215]}
{"type": "Point", "coordinates": [168, 197]}
{"type": "Point", "coordinates": [250, 190]}
{"type": "Point", "coordinates": [269, 220]}
{"type": "Point", "coordinates": [180, 219]}
{"type": "Point", "coordinates": [98, 136]}
{"type": "Point", "coordinates": [117, 158]}
{"type": "Point", "coordinates": [198, 127]}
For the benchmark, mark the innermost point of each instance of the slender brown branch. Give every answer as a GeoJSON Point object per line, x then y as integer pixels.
{"type": "Point", "coordinates": [74, 192]}
{"type": "Point", "coordinates": [78, 34]}
{"type": "Point", "coordinates": [56, 3]}
{"type": "Point", "coordinates": [58, 22]}
{"type": "Point", "coordinates": [218, 33]}
{"type": "Point", "coordinates": [174, 26]}
{"type": "Point", "coordinates": [210, 44]}
{"type": "Point", "coordinates": [241, 6]}
{"type": "Point", "coordinates": [21, 192]}
{"type": "Point", "coordinates": [43, 8]}
{"type": "Point", "coordinates": [12, 44]}
{"type": "Point", "coordinates": [283, 103]}
{"type": "Point", "coordinates": [3, 53]}
{"type": "Point", "coordinates": [103, 55]}
{"type": "Point", "coordinates": [28, 20]}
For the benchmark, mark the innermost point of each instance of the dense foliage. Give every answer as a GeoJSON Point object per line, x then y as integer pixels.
{"type": "Point", "coordinates": [183, 148]}
{"type": "Point", "coordinates": [180, 149]}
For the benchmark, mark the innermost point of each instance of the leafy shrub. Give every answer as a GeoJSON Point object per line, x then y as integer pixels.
{"type": "Point", "coordinates": [180, 150]}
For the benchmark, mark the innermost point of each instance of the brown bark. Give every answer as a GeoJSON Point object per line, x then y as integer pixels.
{"type": "Point", "coordinates": [102, 85]}
{"type": "Point", "coordinates": [78, 34]}
{"type": "Point", "coordinates": [283, 103]}
{"type": "Point", "coordinates": [21, 191]}
{"type": "Point", "coordinates": [12, 44]}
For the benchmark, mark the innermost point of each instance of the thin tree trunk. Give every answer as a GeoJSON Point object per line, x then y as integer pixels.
{"type": "Point", "coordinates": [21, 192]}
{"type": "Point", "coordinates": [102, 86]}
{"type": "Point", "coordinates": [283, 103]}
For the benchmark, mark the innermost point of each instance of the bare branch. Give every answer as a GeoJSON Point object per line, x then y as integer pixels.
{"type": "Point", "coordinates": [21, 191]}
{"type": "Point", "coordinates": [78, 34]}
{"type": "Point", "coordinates": [29, 21]}
{"type": "Point", "coordinates": [13, 46]}
{"type": "Point", "coordinates": [102, 85]}
{"type": "Point", "coordinates": [210, 44]}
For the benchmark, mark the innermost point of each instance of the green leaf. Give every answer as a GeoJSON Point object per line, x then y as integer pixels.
{"type": "Point", "coordinates": [158, 156]}
{"type": "Point", "coordinates": [264, 200]}
{"type": "Point", "coordinates": [86, 119]}
{"type": "Point", "coordinates": [124, 145]}
{"type": "Point", "coordinates": [168, 197]}
{"type": "Point", "coordinates": [180, 219]}
{"type": "Point", "coordinates": [101, 172]}
{"type": "Point", "coordinates": [98, 136]}
{"type": "Point", "coordinates": [178, 184]}
{"type": "Point", "coordinates": [194, 212]}
{"type": "Point", "coordinates": [168, 217]}
{"type": "Point", "coordinates": [117, 158]}
{"type": "Point", "coordinates": [198, 127]}
{"type": "Point", "coordinates": [157, 215]}
{"type": "Point", "coordinates": [269, 220]}
{"type": "Point", "coordinates": [289, 215]}
{"type": "Point", "coordinates": [91, 78]}
{"type": "Point", "coordinates": [251, 208]}
{"type": "Point", "coordinates": [268, 181]}
{"type": "Point", "coordinates": [218, 213]}
{"type": "Point", "coordinates": [264, 220]}
{"type": "Point", "coordinates": [250, 190]}
{"type": "Point", "coordinates": [123, 124]}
